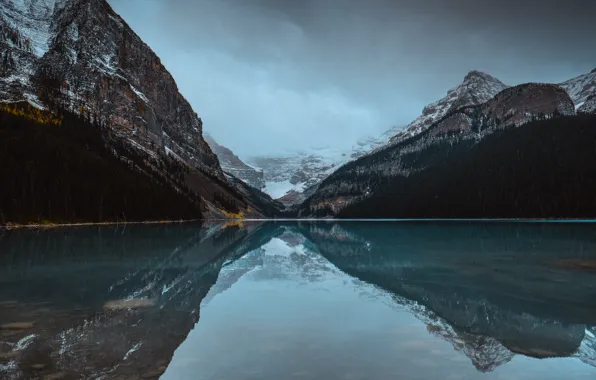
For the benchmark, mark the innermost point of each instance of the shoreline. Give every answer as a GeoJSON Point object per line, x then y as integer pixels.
{"type": "Point", "coordinates": [15, 226]}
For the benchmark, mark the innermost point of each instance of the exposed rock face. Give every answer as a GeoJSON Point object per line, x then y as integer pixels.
{"type": "Point", "coordinates": [81, 56]}
{"type": "Point", "coordinates": [230, 163]}
{"type": "Point", "coordinates": [477, 88]}
{"type": "Point", "coordinates": [459, 129]}
{"type": "Point", "coordinates": [512, 106]}
{"type": "Point", "coordinates": [99, 66]}
{"type": "Point", "coordinates": [589, 105]}
{"type": "Point", "coordinates": [582, 90]}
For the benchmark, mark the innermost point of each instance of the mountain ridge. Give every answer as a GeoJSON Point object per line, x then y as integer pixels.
{"type": "Point", "coordinates": [457, 131]}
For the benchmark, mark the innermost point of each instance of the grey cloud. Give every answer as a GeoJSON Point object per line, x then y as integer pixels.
{"type": "Point", "coordinates": [272, 76]}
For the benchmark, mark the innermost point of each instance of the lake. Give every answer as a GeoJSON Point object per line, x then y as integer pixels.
{"type": "Point", "coordinates": [300, 300]}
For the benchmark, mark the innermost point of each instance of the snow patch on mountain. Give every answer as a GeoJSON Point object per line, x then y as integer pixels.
{"type": "Point", "coordinates": [580, 87]}
{"type": "Point", "coordinates": [33, 19]}
{"type": "Point", "coordinates": [582, 90]}
{"type": "Point", "coordinates": [294, 173]}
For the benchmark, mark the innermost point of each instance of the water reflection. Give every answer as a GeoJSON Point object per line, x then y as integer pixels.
{"type": "Point", "coordinates": [299, 300]}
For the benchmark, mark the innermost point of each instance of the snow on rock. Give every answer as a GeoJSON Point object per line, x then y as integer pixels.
{"type": "Point", "coordinates": [289, 176]}
{"type": "Point", "coordinates": [581, 89]}
{"type": "Point", "coordinates": [278, 189]}
{"type": "Point", "coordinates": [33, 20]}
{"type": "Point", "coordinates": [139, 94]}
{"type": "Point", "coordinates": [294, 172]}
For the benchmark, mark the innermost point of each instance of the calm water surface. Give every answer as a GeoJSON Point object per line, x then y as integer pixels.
{"type": "Point", "coordinates": [300, 300]}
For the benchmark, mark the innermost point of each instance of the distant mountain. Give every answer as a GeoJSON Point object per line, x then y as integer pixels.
{"type": "Point", "coordinates": [230, 163]}
{"type": "Point", "coordinates": [81, 57]}
{"type": "Point", "coordinates": [582, 90]}
{"type": "Point", "coordinates": [291, 178]}
{"type": "Point", "coordinates": [376, 185]}
{"type": "Point", "coordinates": [288, 176]}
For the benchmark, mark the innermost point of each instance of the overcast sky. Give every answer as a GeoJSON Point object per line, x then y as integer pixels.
{"type": "Point", "coordinates": [272, 76]}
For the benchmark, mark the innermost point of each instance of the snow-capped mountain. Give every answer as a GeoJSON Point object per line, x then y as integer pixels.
{"type": "Point", "coordinates": [80, 56]}
{"type": "Point", "coordinates": [230, 163]}
{"type": "Point", "coordinates": [582, 90]}
{"type": "Point", "coordinates": [477, 88]}
{"type": "Point", "coordinates": [288, 177]}
{"type": "Point", "coordinates": [293, 173]}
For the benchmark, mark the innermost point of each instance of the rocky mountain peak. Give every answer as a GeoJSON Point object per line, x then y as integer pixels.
{"type": "Point", "coordinates": [476, 75]}
{"type": "Point", "coordinates": [477, 88]}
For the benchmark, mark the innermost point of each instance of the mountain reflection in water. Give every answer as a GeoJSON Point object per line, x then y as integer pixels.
{"type": "Point", "coordinates": [333, 300]}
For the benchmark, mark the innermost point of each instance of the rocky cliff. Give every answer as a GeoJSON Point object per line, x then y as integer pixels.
{"type": "Point", "coordinates": [81, 56]}
{"type": "Point", "coordinates": [84, 56]}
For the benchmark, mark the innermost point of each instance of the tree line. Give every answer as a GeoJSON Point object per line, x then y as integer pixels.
{"type": "Point", "coordinates": [72, 173]}
{"type": "Point", "coordinates": [544, 169]}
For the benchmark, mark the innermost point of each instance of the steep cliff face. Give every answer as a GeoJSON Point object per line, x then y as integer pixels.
{"type": "Point", "coordinates": [82, 55]}
{"type": "Point", "coordinates": [230, 163]}
{"type": "Point", "coordinates": [79, 55]}
{"type": "Point", "coordinates": [456, 132]}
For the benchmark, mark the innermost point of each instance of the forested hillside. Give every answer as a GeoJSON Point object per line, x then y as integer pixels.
{"type": "Point", "coordinates": [544, 169]}
{"type": "Point", "coordinates": [63, 169]}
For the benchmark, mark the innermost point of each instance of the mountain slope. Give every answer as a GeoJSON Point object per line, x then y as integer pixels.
{"type": "Point", "coordinates": [230, 163]}
{"type": "Point", "coordinates": [455, 134]}
{"type": "Point", "coordinates": [86, 58]}
{"type": "Point", "coordinates": [509, 174]}
{"type": "Point", "coordinates": [582, 90]}
{"type": "Point", "coordinates": [64, 171]}
{"type": "Point", "coordinates": [80, 56]}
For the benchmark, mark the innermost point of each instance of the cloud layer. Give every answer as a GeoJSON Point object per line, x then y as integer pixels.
{"type": "Point", "coordinates": [270, 76]}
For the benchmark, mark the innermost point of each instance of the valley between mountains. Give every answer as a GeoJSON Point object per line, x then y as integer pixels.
{"type": "Point", "coordinates": [93, 128]}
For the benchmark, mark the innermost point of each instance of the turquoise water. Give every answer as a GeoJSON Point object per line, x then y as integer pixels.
{"type": "Point", "coordinates": [300, 300]}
